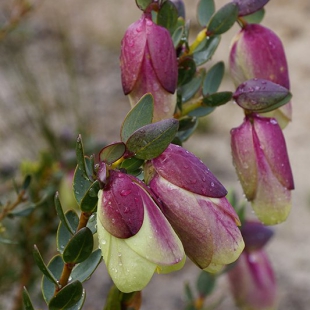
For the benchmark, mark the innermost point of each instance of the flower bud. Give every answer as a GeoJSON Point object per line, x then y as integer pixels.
{"type": "Point", "coordinates": [149, 65]}
{"type": "Point", "coordinates": [262, 164]}
{"type": "Point", "coordinates": [135, 237]}
{"type": "Point", "coordinates": [253, 282]}
{"type": "Point", "coordinates": [257, 52]}
{"type": "Point", "coordinates": [194, 202]}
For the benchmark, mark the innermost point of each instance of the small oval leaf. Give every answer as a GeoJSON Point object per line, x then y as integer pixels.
{"type": "Point", "coordinates": [67, 297]}
{"type": "Point", "coordinates": [151, 140]}
{"type": "Point", "coordinates": [255, 18]}
{"type": "Point", "coordinates": [27, 301]}
{"type": "Point", "coordinates": [89, 201]}
{"type": "Point", "coordinates": [213, 79]}
{"type": "Point", "coordinates": [132, 164]}
{"type": "Point", "coordinates": [79, 247]}
{"type": "Point", "coordinates": [84, 270]}
{"type": "Point", "coordinates": [223, 19]}
{"type": "Point", "coordinates": [61, 214]}
{"type": "Point", "coordinates": [205, 10]}
{"type": "Point", "coordinates": [140, 115]}
{"type": "Point", "coordinates": [113, 152]}
{"type": "Point", "coordinates": [186, 71]}
{"type": "Point", "coordinates": [79, 149]}
{"type": "Point", "coordinates": [217, 99]}
{"type": "Point", "coordinates": [177, 36]}
{"type": "Point", "coordinates": [168, 16]}
{"type": "Point", "coordinates": [40, 263]}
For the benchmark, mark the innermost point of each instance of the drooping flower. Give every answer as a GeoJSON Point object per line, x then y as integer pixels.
{"type": "Point", "coordinates": [149, 65]}
{"type": "Point", "coordinates": [194, 202]}
{"type": "Point", "coordinates": [262, 164]}
{"type": "Point", "coordinates": [135, 238]}
{"type": "Point", "coordinates": [257, 52]}
{"type": "Point", "coordinates": [252, 279]}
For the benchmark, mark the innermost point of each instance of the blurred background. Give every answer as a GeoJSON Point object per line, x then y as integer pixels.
{"type": "Point", "coordinates": [59, 76]}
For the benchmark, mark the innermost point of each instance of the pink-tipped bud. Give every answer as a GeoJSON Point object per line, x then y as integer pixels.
{"type": "Point", "coordinates": [194, 202]}
{"type": "Point", "coordinates": [149, 65]}
{"type": "Point", "coordinates": [257, 52]}
{"type": "Point", "coordinates": [262, 164]}
{"type": "Point", "coordinates": [253, 282]}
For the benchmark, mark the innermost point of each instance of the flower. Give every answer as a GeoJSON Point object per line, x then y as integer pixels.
{"type": "Point", "coordinates": [135, 238]}
{"type": "Point", "coordinates": [252, 278]}
{"type": "Point", "coordinates": [262, 164]}
{"type": "Point", "coordinates": [257, 52]}
{"type": "Point", "coordinates": [149, 65]}
{"type": "Point", "coordinates": [194, 202]}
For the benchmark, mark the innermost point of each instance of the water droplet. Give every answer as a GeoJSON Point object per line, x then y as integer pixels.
{"type": "Point", "coordinates": [126, 210]}
{"type": "Point", "coordinates": [212, 184]}
{"type": "Point", "coordinates": [119, 254]}
{"type": "Point", "coordinates": [103, 242]}
{"type": "Point", "coordinates": [113, 221]}
{"type": "Point", "coordinates": [92, 193]}
{"type": "Point", "coordinates": [273, 121]}
{"type": "Point", "coordinates": [125, 192]}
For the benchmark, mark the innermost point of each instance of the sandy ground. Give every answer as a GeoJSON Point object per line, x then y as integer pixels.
{"type": "Point", "coordinates": [95, 29]}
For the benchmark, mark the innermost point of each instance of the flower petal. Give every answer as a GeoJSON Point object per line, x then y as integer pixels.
{"type": "Point", "coordinates": [132, 52]}
{"type": "Point", "coordinates": [244, 158]}
{"type": "Point", "coordinates": [156, 240]}
{"type": "Point", "coordinates": [120, 208]}
{"type": "Point", "coordinates": [185, 170]}
{"type": "Point", "coordinates": [272, 142]}
{"type": "Point", "coordinates": [128, 270]}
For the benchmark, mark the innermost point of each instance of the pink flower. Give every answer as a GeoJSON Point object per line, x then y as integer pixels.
{"type": "Point", "coordinates": [257, 52]}
{"type": "Point", "coordinates": [262, 164]}
{"type": "Point", "coordinates": [149, 65]}
{"type": "Point", "coordinates": [252, 279]}
{"type": "Point", "coordinates": [194, 202]}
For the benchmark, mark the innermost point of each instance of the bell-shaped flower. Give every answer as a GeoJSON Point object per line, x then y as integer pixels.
{"type": "Point", "coordinates": [257, 52]}
{"type": "Point", "coordinates": [252, 279]}
{"type": "Point", "coordinates": [262, 164]}
{"type": "Point", "coordinates": [194, 202]}
{"type": "Point", "coordinates": [149, 65]}
{"type": "Point", "coordinates": [134, 236]}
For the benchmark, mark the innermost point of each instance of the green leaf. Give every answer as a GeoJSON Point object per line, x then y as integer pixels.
{"type": "Point", "coordinates": [177, 36]}
{"type": "Point", "coordinates": [89, 201]}
{"type": "Point", "coordinates": [79, 247]}
{"type": "Point", "coordinates": [132, 164]}
{"type": "Point", "coordinates": [68, 297]}
{"type": "Point", "coordinates": [205, 283]}
{"type": "Point", "coordinates": [188, 90]}
{"type": "Point", "coordinates": [55, 266]}
{"type": "Point", "coordinates": [187, 128]}
{"type": "Point", "coordinates": [186, 71]}
{"type": "Point", "coordinates": [213, 79]}
{"type": "Point", "coordinates": [151, 140]}
{"type": "Point", "coordinates": [92, 223]}
{"type": "Point", "coordinates": [223, 19]}
{"type": "Point", "coordinates": [206, 49]}
{"type": "Point", "coordinates": [61, 214]}
{"type": "Point", "coordinates": [27, 301]}
{"type": "Point", "coordinates": [80, 184]}
{"type": "Point", "coordinates": [143, 4]}
{"type": "Point", "coordinates": [168, 16]}
{"type": "Point", "coordinates": [114, 299]}
{"type": "Point", "coordinates": [24, 212]}
{"type": "Point", "coordinates": [140, 115]}
{"type": "Point", "coordinates": [189, 293]}
{"type": "Point", "coordinates": [201, 111]}
{"type": "Point", "coordinates": [217, 99]}
{"type": "Point", "coordinates": [112, 152]}
{"type": "Point", "coordinates": [255, 18]}
{"type": "Point", "coordinates": [26, 182]}
{"type": "Point", "coordinates": [84, 270]}
{"type": "Point", "coordinates": [205, 10]}
{"type": "Point", "coordinates": [40, 263]}
{"type": "Point", "coordinates": [79, 149]}
{"type": "Point", "coordinates": [63, 234]}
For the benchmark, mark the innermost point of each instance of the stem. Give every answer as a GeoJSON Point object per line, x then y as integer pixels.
{"type": "Point", "coordinates": [8, 208]}
{"type": "Point", "coordinates": [188, 107]}
{"type": "Point", "coordinates": [68, 267]}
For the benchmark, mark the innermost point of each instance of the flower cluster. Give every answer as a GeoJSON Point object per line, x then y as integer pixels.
{"type": "Point", "coordinates": [258, 146]}
{"type": "Point", "coordinates": [143, 229]}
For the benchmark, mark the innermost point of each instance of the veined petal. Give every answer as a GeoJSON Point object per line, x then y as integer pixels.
{"type": "Point", "coordinates": [128, 270]}
{"type": "Point", "coordinates": [185, 170]}
{"type": "Point", "coordinates": [272, 143]}
{"type": "Point", "coordinates": [244, 158]}
{"type": "Point", "coordinates": [156, 240]}
{"type": "Point", "coordinates": [132, 53]}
